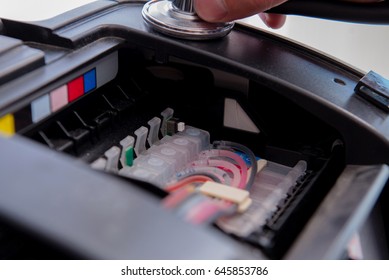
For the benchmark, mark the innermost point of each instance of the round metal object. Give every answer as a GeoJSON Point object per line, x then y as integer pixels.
{"type": "Point", "coordinates": [169, 18]}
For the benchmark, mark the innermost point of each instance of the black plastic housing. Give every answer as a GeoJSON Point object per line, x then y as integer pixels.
{"type": "Point", "coordinates": [302, 102]}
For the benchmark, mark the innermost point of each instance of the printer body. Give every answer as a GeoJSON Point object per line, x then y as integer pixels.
{"type": "Point", "coordinates": [74, 87]}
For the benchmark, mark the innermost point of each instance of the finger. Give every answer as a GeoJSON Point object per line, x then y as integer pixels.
{"type": "Point", "coordinates": [274, 21]}
{"type": "Point", "coordinates": [228, 10]}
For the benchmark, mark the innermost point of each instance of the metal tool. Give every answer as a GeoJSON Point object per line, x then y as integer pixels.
{"type": "Point", "coordinates": [347, 11]}
{"type": "Point", "coordinates": [178, 18]}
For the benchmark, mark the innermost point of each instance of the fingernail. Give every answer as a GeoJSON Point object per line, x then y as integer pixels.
{"type": "Point", "coordinates": [211, 10]}
{"type": "Point", "coordinates": [264, 17]}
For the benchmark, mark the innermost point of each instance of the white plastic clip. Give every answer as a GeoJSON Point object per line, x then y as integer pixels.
{"type": "Point", "coordinates": [154, 124]}
{"type": "Point", "coordinates": [166, 115]}
{"type": "Point", "coordinates": [99, 164]}
{"type": "Point", "coordinates": [112, 155]}
{"type": "Point", "coordinates": [141, 136]}
{"type": "Point", "coordinates": [126, 143]}
{"type": "Point", "coordinates": [235, 195]}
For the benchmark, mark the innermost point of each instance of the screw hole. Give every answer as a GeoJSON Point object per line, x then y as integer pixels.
{"type": "Point", "coordinates": [339, 81]}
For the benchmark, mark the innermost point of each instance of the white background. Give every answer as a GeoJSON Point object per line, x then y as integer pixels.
{"type": "Point", "coordinates": [36, 9]}
{"type": "Point", "coordinates": [111, 270]}
{"type": "Point", "coordinates": [362, 46]}
{"type": "Point", "coordinates": [366, 47]}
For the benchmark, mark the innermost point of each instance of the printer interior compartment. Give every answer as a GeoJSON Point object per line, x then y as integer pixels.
{"type": "Point", "coordinates": [230, 108]}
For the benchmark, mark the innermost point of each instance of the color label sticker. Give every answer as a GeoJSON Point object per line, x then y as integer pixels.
{"type": "Point", "coordinates": [7, 125]}
{"type": "Point", "coordinates": [75, 88]}
{"type": "Point", "coordinates": [103, 72]}
{"type": "Point", "coordinates": [89, 80]}
{"type": "Point", "coordinates": [59, 98]}
{"type": "Point", "coordinates": [40, 108]}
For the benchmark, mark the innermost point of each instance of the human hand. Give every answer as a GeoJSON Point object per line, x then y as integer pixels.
{"type": "Point", "coordinates": [228, 10]}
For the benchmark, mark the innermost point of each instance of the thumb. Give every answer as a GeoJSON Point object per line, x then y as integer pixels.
{"type": "Point", "coordinates": [228, 10]}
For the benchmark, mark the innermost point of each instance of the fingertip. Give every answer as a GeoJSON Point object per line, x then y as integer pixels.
{"type": "Point", "coordinates": [274, 21]}
{"type": "Point", "coordinates": [211, 10]}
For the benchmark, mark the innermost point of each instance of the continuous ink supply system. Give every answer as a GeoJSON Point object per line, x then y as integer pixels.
{"type": "Point", "coordinates": [123, 142]}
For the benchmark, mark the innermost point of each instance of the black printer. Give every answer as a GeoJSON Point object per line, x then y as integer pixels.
{"type": "Point", "coordinates": [119, 141]}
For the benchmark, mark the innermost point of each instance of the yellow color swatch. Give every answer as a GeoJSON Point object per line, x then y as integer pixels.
{"type": "Point", "coordinates": [7, 125]}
